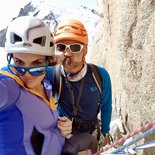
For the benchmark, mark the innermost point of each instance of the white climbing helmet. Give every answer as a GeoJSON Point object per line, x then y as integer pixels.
{"type": "Point", "coordinates": [28, 34]}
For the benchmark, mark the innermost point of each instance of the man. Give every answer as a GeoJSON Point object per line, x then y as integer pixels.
{"type": "Point", "coordinates": [79, 98]}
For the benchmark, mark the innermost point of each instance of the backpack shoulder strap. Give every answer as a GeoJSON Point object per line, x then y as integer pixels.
{"type": "Point", "coordinates": [98, 79]}
{"type": "Point", "coordinates": [57, 81]}
{"type": "Point", "coordinates": [96, 75]}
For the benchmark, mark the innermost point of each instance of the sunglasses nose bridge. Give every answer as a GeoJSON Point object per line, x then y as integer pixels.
{"type": "Point", "coordinates": [67, 49]}
{"type": "Point", "coordinates": [27, 73]}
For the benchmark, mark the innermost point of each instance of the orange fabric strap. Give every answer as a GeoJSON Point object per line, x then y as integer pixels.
{"type": "Point", "coordinates": [50, 103]}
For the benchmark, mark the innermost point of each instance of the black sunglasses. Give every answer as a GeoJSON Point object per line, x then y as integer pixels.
{"type": "Point", "coordinates": [35, 71]}
{"type": "Point", "coordinates": [74, 48]}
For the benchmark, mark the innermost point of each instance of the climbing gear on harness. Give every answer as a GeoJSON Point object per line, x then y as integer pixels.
{"type": "Point", "coordinates": [104, 137]}
{"type": "Point", "coordinates": [71, 29]}
{"type": "Point", "coordinates": [29, 37]}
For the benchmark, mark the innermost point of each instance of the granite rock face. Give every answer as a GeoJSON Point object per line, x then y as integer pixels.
{"type": "Point", "coordinates": [124, 43]}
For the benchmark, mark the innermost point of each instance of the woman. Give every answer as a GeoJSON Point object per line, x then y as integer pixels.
{"type": "Point", "coordinates": [28, 116]}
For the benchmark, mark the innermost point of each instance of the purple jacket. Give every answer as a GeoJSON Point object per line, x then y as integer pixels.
{"type": "Point", "coordinates": [21, 112]}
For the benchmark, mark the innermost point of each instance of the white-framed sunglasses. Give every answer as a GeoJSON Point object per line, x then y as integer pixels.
{"type": "Point", "coordinates": [74, 48]}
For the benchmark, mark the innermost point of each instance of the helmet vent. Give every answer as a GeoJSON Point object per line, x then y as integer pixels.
{"type": "Point", "coordinates": [15, 38]}
{"type": "Point", "coordinates": [41, 41]}
{"type": "Point", "coordinates": [51, 44]}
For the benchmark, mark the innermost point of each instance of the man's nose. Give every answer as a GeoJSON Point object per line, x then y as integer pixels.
{"type": "Point", "coordinates": [68, 52]}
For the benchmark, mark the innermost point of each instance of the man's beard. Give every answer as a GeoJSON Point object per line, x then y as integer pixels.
{"type": "Point", "coordinates": [69, 64]}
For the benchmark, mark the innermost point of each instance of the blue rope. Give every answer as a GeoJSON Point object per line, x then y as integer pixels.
{"type": "Point", "coordinates": [148, 132]}
{"type": "Point", "coordinates": [146, 145]}
{"type": "Point", "coordinates": [137, 148]}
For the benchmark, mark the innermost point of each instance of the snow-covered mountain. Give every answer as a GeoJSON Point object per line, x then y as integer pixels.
{"type": "Point", "coordinates": [52, 14]}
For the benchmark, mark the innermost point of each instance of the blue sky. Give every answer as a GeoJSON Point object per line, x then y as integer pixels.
{"type": "Point", "coordinates": [10, 8]}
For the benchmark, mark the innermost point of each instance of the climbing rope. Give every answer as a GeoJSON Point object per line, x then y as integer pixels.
{"type": "Point", "coordinates": [128, 150]}
{"type": "Point", "coordinates": [132, 151]}
{"type": "Point", "coordinates": [123, 139]}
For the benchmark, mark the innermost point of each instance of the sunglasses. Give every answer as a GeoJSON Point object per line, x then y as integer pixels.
{"type": "Point", "coordinates": [74, 48]}
{"type": "Point", "coordinates": [35, 71]}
